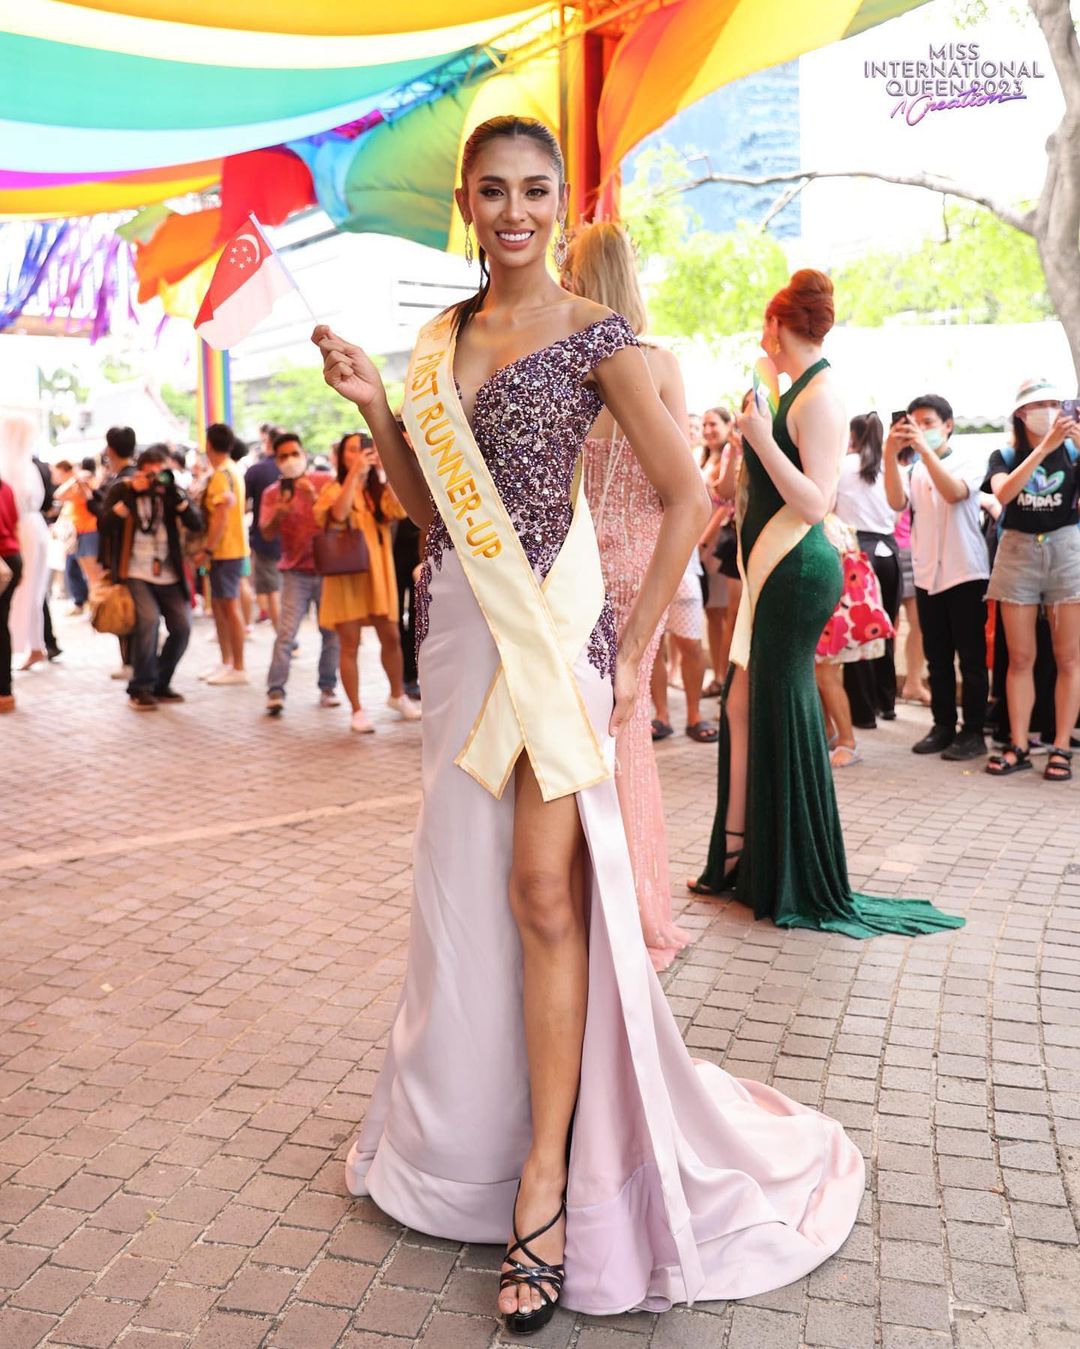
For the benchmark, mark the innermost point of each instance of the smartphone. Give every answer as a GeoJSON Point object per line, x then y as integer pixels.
{"type": "Point", "coordinates": [1070, 408]}
{"type": "Point", "coordinates": [900, 416]}
{"type": "Point", "coordinates": [288, 487]}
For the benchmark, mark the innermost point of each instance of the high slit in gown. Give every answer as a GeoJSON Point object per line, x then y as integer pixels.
{"type": "Point", "coordinates": [793, 867]}
{"type": "Point", "coordinates": [684, 1183]}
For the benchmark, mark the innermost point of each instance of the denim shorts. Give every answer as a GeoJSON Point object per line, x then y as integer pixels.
{"type": "Point", "coordinates": [225, 578]}
{"type": "Point", "coordinates": [1037, 568]}
{"type": "Point", "coordinates": [86, 545]}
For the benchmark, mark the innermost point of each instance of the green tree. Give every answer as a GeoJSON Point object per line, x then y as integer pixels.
{"type": "Point", "coordinates": [698, 283]}
{"type": "Point", "coordinates": [297, 397]}
{"type": "Point", "coordinates": [118, 369]}
{"type": "Point", "coordinates": [180, 402]}
{"type": "Point", "coordinates": [717, 285]}
{"type": "Point", "coordinates": [983, 272]}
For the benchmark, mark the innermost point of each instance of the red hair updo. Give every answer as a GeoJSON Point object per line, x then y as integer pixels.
{"type": "Point", "coordinates": [805, 305]}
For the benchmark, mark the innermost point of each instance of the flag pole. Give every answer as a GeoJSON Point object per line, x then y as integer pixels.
{"type": "Point", "coordinates": [288, 271]}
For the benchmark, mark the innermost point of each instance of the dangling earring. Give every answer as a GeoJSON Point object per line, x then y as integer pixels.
{"type": "Point", "coordinates": [468, 243]}
{"type": "Point", "coordinates": [562, 246]}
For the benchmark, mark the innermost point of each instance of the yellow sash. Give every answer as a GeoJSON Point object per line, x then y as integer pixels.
{"type": "Point", "coordinates": [533, 702]}
{"type": "Point", "coordinates": [785, 531]}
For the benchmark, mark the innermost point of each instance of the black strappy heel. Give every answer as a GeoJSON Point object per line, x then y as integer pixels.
{"type": "Point", "coordinates": [728, 882]}
{"type": "Point", "coordinates": [532, 1276]}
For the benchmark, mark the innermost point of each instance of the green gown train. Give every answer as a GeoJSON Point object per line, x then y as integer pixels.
{"type": "Point", "coordinates": [793, 868]}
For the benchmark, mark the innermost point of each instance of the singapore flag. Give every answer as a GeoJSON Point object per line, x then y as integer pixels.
{"type": "Point", "coordinates": [248, 280]}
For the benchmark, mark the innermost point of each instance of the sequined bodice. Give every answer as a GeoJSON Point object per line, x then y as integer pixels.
{"type": "Point", "coordinates": [529, 420]}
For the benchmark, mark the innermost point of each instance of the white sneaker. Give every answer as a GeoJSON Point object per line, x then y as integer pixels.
{"type": "Point", "coordinates": [275, 702]}
{"type": "Point", "coordinates": [228, 675]}
{"type": "Point", "coordinates": [125, 672]}
{"type": "Point", "coordinates": [406, 709]}
{"type": "Point", "coordinates": [360, 723]}
{"type": "Point", "coordinates": [213, 670]}
{"type": "Point", "coordinates": [328, 698]}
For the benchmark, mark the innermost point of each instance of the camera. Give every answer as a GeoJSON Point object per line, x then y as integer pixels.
{"type": "Point", "coordinates": [165, 478]}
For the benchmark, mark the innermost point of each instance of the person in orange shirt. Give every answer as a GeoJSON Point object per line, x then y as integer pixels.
{"type": "Point", "coordinates": [74, 487]}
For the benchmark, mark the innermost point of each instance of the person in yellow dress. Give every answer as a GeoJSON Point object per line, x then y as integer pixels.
{"type": "Point", "coordinates": [362, 498]}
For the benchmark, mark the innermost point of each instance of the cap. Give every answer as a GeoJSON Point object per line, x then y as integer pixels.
{"type": "Point", "coordinates": [1036, 389]}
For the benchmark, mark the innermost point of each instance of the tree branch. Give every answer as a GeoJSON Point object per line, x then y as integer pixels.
{"type": "Point", "coordinates": [784, 199]}
{"type": "Point", "coordinates": [1021, 220]}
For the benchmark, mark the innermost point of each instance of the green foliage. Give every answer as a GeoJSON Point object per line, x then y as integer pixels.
{"type": "Point", "coordinates": [715, 285]}
{"type": "Point", "coordinates": [986, 272]}
{"type": "Point", "coordinates": [299, 399]}
{"type": "Point", "coordinates": [698, 283]}
{"type": "Point", "coordinates": [654, 209]}
{"type": "Point", "coordinates": [118, 370]}
{"type": "Point", "coordinates": [180, 402]}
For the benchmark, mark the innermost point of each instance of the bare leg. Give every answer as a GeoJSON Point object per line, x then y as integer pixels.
{"type": "Point", "coordinates": [392, 660]}
{"type": "Point", "coordinates": [658, 686]}
{"type": "Point", "coordinates": [235, 620]}
{"type": "Point", "coordinates": [730, 613]}
{"type": "Point", "coordinates": [349, 664]}
{"type": "Point", "coordinates": [915, 687]}
{"type": "Point", "coordinates": [547, 901]}
{"type": "Point", "coordinates": [1019, 623]}
{"type": "Point", "coordinates": [830, 682]}
{"type": "Point", "coordinates": [692, 657]}
{"type": "Point", "coordinates": [716, 622]}
{"type": "Point", "coordinates": [738, 715]}
{"type": "Point", "coordinates": [273, 608]}
{"type": "Point", "coordinates": [1065, 626]}
{"type": "Point", "coordinates": [219, 608]}
{"type": "Point", "coordinates": [245, 602]}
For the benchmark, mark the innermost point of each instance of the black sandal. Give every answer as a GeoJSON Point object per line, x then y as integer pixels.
{"type": "Point", "coordinates": [699, 887]}
{"type": "Point", "coordinates": [531, 1276]}
{"type": "Point", "coordinates": [704, 732]}
{"type": "Point", "coordinates": [1058, 772]}
{"type": "Point", "coordinates": [999, 767]}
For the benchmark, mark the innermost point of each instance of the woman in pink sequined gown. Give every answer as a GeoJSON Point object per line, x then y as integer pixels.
{"type": "Point", "coordinates": [627, 511]}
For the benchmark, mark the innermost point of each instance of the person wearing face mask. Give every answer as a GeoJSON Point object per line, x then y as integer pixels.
{"type": "Point", "coordinates": [951, 566]}
{"type": "Point", "coordinates": [287, 517]}
{"type": "Point", "coordinates": [1038, 563]}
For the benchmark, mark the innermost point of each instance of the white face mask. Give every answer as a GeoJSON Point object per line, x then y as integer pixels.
{"type": "Point", "coordinates": [293, 467]}
{"type": "Point", "coordinates": [1039, 421]}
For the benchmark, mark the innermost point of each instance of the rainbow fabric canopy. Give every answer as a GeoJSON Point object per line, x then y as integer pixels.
{"type": "Point", "coordinates": [111, 106]}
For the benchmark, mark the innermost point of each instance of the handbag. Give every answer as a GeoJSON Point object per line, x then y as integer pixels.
{"type": "Point", "coordinates": [5, 575]}
{"type": "Point", "coordinates": [341, 552]}
{"type": "Point", "coordinates": [112, 608]}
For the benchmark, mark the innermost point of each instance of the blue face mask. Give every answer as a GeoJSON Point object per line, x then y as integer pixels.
{"type": "Point", "coordinates": [934, 438]}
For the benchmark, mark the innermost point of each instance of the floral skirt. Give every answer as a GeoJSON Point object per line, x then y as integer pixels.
{"type": "Point", "coordinates": [859, 626]}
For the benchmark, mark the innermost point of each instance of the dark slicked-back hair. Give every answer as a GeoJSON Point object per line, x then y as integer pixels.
{"type": "Point", "coordinates": [527, 128]}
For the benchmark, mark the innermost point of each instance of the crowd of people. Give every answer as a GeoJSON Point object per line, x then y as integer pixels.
{"type": "Point", "coordinates": [977, 554]}
{"type": "Point", "coordinates": [144, 538]}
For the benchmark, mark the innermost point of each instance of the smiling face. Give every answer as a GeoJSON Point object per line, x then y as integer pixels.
{"type": "Point", "coordinates": [714, 430]}
{"type": "Point", "coordinates": [513, 198]}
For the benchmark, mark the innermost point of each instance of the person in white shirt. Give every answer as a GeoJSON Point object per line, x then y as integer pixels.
{"type": "Point", "coordinates": [951, 566]}
{"type": "Point", "coordinates": [861, 503]}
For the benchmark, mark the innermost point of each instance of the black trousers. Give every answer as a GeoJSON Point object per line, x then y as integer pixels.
{"type": "Point", "coordinates": [406, 560]}
{"type": "Point", "coordinates": [954, 625]}
{"type": "Point", "coordinates": [14, 561]}
{"type": "Point", "coordinates": [871, 684]}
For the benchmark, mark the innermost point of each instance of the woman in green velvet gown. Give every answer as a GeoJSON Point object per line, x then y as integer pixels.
{"type": "Point", "coordinates": [776, 839]}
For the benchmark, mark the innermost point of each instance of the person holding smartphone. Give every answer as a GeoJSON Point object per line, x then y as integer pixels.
{"type": "Point", "coordinates": [1037, 481]}
{"type": "Point", "coordinates": [951, 566]}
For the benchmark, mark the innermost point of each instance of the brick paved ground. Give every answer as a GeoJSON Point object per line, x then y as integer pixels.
{"type": "Point", "coordinates": [202, 931]}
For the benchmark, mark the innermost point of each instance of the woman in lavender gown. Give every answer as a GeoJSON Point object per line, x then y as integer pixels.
{"type": "Point", "coordinates": [535, 1082]}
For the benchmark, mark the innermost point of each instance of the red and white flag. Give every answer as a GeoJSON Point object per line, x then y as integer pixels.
{"type": "Point", "coordinates": [247, 282]}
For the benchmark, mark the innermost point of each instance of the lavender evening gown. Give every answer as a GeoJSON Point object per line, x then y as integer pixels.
{"type": "Point", "coordinates": [627, 512]}
{"type": "Point", "coordinates": [685, 1183]}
